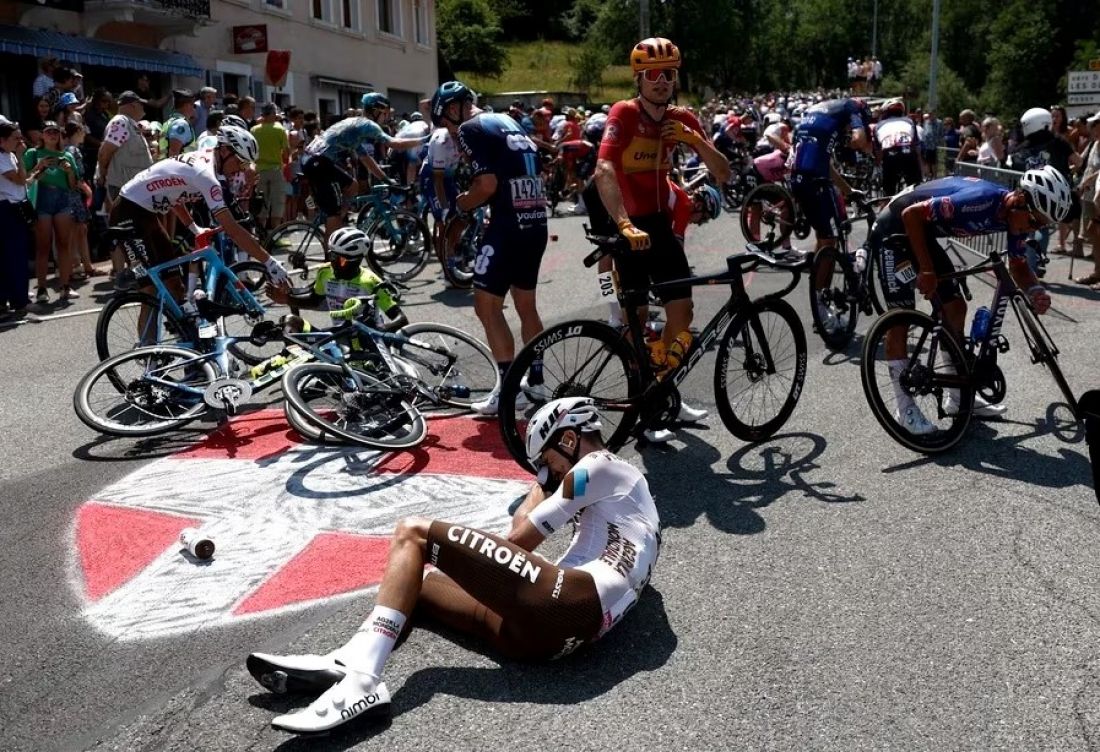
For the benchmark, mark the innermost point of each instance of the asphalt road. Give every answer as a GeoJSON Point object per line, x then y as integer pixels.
{"type": "Point", "coordinates": [826, 589]}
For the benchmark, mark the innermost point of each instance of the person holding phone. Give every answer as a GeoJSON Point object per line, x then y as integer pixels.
{"type": "Point", "coordinates": [54, 172]}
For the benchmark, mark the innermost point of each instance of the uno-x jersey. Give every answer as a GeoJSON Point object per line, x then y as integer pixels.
{"type": "Point", "coordinates": [495, 144]}
{"type": "Point", "coordinates": [956, 207]}
{"type": "Point", "coordinates": [818, 134]}
{"type": "Point", "coordinates": [632, 141]}
{"type": "Point", "coordinates": [356, 136]}
{"type": "Point", "coordinates": [616, 530]}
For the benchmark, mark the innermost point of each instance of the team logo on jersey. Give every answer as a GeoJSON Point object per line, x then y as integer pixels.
{"type": "Point", "coordinates": [611, 133]}
{"type": "Point", "coordinates": [945, 208]}
{"type": "Point", "coordinates": [216, 193]}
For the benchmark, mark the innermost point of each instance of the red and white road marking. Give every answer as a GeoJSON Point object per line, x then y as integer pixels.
{"type": "Point", "coordinates": [293, 524]}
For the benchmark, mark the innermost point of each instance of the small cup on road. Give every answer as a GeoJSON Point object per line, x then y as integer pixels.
{"type": "Point", "coordinates": [197, 544]}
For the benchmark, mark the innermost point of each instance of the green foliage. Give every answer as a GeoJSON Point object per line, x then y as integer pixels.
{"type": "Point", "coordinates": [590, 64]}
{"type": "Point", "coordinates": [1022, 64]}
{"type": "Point", "coordinates": [470, 36]}
{"type": "Point", "coordinates": [911, 82]}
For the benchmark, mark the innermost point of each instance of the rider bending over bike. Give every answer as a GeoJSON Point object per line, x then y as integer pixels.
{"type": "Point", "coordinates": [957, 207]}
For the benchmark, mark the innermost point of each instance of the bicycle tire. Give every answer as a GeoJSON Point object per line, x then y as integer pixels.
{"type": "Point", "coordinates": [942, 439]}
{"type": "Point", "coordinates": [478, 373]}
{"type": "Point", "coordinates": [415, 247]}
{"type": "Point", "coordinates": [168, 328]}
{"type": "Point", "coordinates": [298, 241]}
{"type": "Point", "coordinates": [835, 310]}
{"type": "Point", "coordinates": [741, 343]}
{"type": "Point", "coordinates": [130, 393]}
{"type": "Point", "coordinates": [305, 429]}
{"type": "Point", "coordinates": [777, 210]}
{"type": "Point", "coordinates": [607, 348]}
{"type": "Point", "coordinates": [366, 435]}
{"type": "Point", "coordinates": [1048, 352]}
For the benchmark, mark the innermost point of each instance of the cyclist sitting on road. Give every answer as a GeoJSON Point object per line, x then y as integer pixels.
{"type": "Point", "coordinates": [338, 281]}
{"type": "Point", "coordinates": [495, 589]}
{"type": "Point", "coordinates": [437, 176]}
{"type": "Point", "coordinates": [898, 145]}
{"type": "Point", "coordinates": [168, 185]}
{"type": "Point", "coordinates": [632, 180]}
{"type": "Point", "coordinates": [814, 179]}
{"type": "Point", "coordinates": [329, 182]}
{"type": "Point", "coordinates": [957, 207]}
{"type": "Point", "coordinates": [506, 177]}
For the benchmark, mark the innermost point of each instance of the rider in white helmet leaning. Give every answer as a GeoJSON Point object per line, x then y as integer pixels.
{"type": "Point", "coordinates": [493, 588]}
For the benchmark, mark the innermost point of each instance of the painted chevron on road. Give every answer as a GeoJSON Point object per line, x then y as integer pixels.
{"type": "Point", "coordinates": [294, 524]}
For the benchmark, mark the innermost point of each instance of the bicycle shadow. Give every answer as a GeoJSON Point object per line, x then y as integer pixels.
{"type": "Point", "coordinates": [986, 451]}
{"type": "Point", "coordinates": [852, 353]}
{"type": "Point", "coordinates": [686, 486]}
{"type": "Point", "coordinates": [642, 643]}
{"type": "Point", "coordinates": [119, 449]}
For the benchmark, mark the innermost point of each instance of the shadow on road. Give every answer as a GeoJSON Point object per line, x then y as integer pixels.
{"type": "Point", "coordinates": [116, 449]}
{"type": "Point", "coordinates": [643, 642]}
{"type": "Point", "coordinates": [685, 485]}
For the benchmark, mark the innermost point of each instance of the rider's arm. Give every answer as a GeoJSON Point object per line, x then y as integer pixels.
{"type": "Point", "coordinates": [716, 163]}
{"type": "Point", "coordinates": [482, 189]}
{"type": "Point", "coordinates": [607, 183]}
{"type": "Point", "coordinates": [524, 533]}
{"type": "Point", "coordinates": [372, 167]}
{"type": "Point", "coordinates": [838, 179]}
{"type": "Point", "coordinates": [914, 218]}
{"type": "Point", "coordinates": [240, 236]}
{"type": "Point", "coordinates": [440, 188]}
{"type": "Point", "coordinates": [184, 214]}
{"type": "Point", "coordinates": [860, 142]}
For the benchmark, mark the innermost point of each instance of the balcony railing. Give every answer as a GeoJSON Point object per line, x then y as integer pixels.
{"type": "Point", "coordinates": [192, 8]}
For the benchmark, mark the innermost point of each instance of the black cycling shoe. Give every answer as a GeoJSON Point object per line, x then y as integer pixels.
{"type": "Point", "coordinates": [294, 674]}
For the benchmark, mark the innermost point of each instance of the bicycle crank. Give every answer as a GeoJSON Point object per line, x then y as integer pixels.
{"type": "Point", "coordinates": [227, 394]}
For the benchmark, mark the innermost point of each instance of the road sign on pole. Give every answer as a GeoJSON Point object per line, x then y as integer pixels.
{"type": "Point", "coordinates": [1083, 82]}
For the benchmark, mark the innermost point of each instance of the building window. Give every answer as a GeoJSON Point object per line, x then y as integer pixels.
{"type": "Point", "coordinates": [389, 17]}
{"type": "Point", "coordinates": [280, 4]}
{"type": "Point", "coordinates": [322, 10]}
{"type": "Point", "coordinates": [350, 14]}
{"type": "Point", "coordinates": [420, 16]}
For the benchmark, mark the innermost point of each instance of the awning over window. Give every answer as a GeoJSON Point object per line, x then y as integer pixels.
{"type": "Point", "coordinates": [339, 83]}
{"type": "Point", "coordinates": [18, 40]}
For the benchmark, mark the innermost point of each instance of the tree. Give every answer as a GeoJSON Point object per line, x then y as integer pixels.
{"type": "Point", "coordinates": [590, 64]}
{"type": "Point", "coordinates": [470, 36]}
{"type": "Point", "coordinates": [1023, 68]}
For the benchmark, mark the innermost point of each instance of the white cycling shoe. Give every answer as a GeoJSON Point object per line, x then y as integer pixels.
{"type": "Point", "coordinates": [689, 414]}
{"type": "Point", "coordinates": [537, 393]}
{"type": "Point", "coordinates": [913, 420]}
{"type": "Point", "coordinates": [356, 696]}
{"type": "Point", "coordinates": [295, 674]}
{"type": "Point", "coordinates": [491, 405]}
{"type": "Point", "coordinates": [658, 435]}
{"type": "Point", "coordinates": [981, 408]}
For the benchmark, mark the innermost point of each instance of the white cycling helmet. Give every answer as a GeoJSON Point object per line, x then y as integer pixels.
{"type": "Point", "coordinates": [349, 242]}
{"type": "Point", "coordinates": [1034, 120]}
{"type": "Point", "coordinates": [241, 142]}
{"type": "Point", "coordinates": [568, 412]}
{"type": "Point", "coordinates": [1047, 192]}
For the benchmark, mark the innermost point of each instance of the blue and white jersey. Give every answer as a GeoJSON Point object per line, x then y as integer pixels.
{"type": "Point", "coordinates": [355, 136]}
{"type": "Point", "coordinates": [818, 134]}
{"type": "Point", "coordinates": [495, 144]}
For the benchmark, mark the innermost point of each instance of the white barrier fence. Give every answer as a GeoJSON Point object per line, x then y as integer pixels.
{"type": "Point", "coordinates": [980, 244]}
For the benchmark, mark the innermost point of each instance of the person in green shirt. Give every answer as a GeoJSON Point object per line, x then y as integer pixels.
{"type": "Point", "coordinates": [271, 164]}
{"type": "Point", "coordinates": [54, 173]}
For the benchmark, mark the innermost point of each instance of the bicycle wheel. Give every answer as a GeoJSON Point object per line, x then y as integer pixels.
{"type": "Point", "coordinates": [371, 412]}
{"type": "Point", "coordinates": [579, 359]}
{"type": "Point", "coordinates": [833, 298]}
{"type": "Point", "coordinates": [400, 246]}
{"type": "Point", "coordinates": [254, 276]}
{"type": "Point", "coordinates": [760, 369]}
{"type": "Point", "coordinates": [458, 253]}
{"type": "Point", "coordinates": [768, 215]}
{"type": "Point", "coordinates": [302, 245]}
{"type": "Point", "coordinates": [162, 389]}
{"type": "Point", "coordinates": [1044, 347]}
{"type": "Point", "coordinates": [930, 375]}
{"type": "Point", "coordinates": [305, 429]}
{"type": "Point", "coordinates": [135, 319]}
{"type": "Point", "coordinates": [455, 366]}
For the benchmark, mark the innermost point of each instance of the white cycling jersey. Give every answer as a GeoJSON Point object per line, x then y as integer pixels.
{"type": "Point", "coordinates": [616, 536]}
{"type": "Point", "coordinates": [186, 178]}
{"type": "Point", "coordinates": [443, 152]}
{"type": "Point", "coordinates": [896, 134]}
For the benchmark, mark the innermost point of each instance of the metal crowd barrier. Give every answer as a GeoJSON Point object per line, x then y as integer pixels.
{"type": "Point", "coordinates": [981, 244]}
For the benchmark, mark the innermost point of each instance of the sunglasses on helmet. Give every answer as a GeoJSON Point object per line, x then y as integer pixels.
{"type": "Point", "coordinates": [653, 75]}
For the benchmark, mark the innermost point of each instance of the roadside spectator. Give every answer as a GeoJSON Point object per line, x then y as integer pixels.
{"type": "Point", "coordinates": [96, 118]}
{"type": "Point", "coordinates": [207, 96]}
{"type": "Point", "coordinates": [1079, 134]}
{"type": "Point", "coordinates": [44, 81]}
{"type": "Point", "coordinates": [14, 227]}
{"type": "Point", "coordinates": [1089, 190]}
{"type": "Point", "coordinates": [177, 133]}
{"type": "Point", "coordinates": [124, 154]}
{"type": "Point", "coordinates": [154, 107]}
{"type": "Point", "coordinates": [208, 139]}
{"type": "Point", "coordinates": [56, 171]}
{"type": "Point", "coordinates": [79, 201]}
{"type": "Point", "coordinates": [274, 156]}
{"type": "Point", "coordinates": [247, 106]}
{"type": "Point", "coordinates": [297, 138]}
{"type": "Point", "coordinates": [64, 81]}
{"type": "Point", "coordinates": [930, 143]}
{"type": "Point", "coordinates": [970, 137]}
{"type": "Point", "coordinates": [1059, 122]}
{"type": "Point", "coordinates": [991, 152]}
{"type": "Point", "coordinates": [69, 110]}
{"type": "Point", "coordinates": [32, 125]}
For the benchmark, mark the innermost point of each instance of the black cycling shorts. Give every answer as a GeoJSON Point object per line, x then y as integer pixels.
{"type": "Point", "coordinates": [525, 605]}
{"type": "Point", "coordinates": [663, 261]}
{"type": "Point", "coordinates": [818, 200]}
{"type": "Point", "coordinates": [900, 167]}
{"type": "Point", "coordinates": [894, 256]}
{"type": "Point", "coordinates": [151, 244]}
{"type": "Point", "coordinates": [326, 183]}
{"type": "Point", "coordinates": [509, 257]}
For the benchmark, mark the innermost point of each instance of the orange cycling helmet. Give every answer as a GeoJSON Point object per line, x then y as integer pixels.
{"type": "Point", "coordinates": [655, 53]}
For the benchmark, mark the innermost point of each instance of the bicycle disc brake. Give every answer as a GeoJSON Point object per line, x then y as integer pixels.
{"type": "Point", "coordinates": [227, 394]}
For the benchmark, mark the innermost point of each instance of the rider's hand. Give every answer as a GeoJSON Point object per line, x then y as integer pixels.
{"type": "Point", "coordinates": [278, 293]}
{"type": "Point", "coordinates": [926, 283]}
{"type": "Point", "coordinates": [638, 239]}
{"type": "Point", "coordinates": [674, 130]}
{"type": "Point", "coordinates": [1040, 298]}
{"type": "Point", "coordinates": [276, 271]}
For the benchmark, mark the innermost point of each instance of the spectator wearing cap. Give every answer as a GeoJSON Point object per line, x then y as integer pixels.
{"type": "Point", "coordinates": [272, 162]}
{"type": "Point", "coordinates": [55, 172]}
{"type": "Point", "coordinates": [207, 96]}
{"type": "Point", "coordinates": [123, 154]}
{"type": "Point", "coordinates": [64, 81]}
{"type": "Point", "coordinates": [44, 81]}
{"type": "Point", "coordinates": [70, 110]}
{"type": "Point", "coordinates": [177, 133]}
{"type": "Point", "coordinates": [1089, 191]}
{"type": "Point", "coordinates": [15, 249]}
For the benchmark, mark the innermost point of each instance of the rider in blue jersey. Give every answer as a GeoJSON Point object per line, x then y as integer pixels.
{"type": "Point", "coordinates": [958, 207]}
{"type": "Point", "coordinates": [823, 128]}
{"type": "Point", "coordinates": [506, 176]}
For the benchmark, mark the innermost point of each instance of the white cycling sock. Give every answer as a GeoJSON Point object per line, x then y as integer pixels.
{"type": "Point", "coordinates": [614, 313]}
{"type": "Point", "coordinates": [192, 283]}
{"type": "Point", "coordinates": [904, 401]}
{"type": "Point", "coordinates": [370, 647]}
